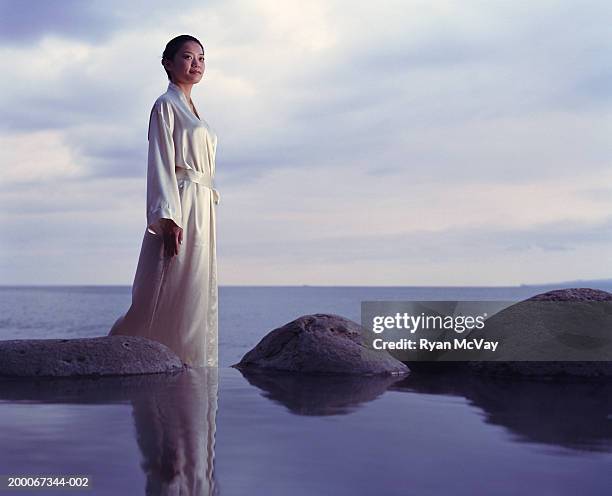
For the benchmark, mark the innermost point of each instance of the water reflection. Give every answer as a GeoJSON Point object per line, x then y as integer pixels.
{"type": "Point", "coordinates": [174, 417]}
{"type": "Point", "coordinates": [320, 395]}
{"type": "Point", "coordinates": [175, 430]}
{"type": "Point", "coordinates": [574, 415]}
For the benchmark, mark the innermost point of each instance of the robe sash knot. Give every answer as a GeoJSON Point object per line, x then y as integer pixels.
{"type": "Point", "coordinates": [197, 177]}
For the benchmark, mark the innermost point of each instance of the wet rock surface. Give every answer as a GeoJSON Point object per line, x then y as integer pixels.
{"type": "Point", "coordinates": [573, 323]}
{"type": "Point", "coordinates": [319, 344]}
{"type": "Point", "coordinates": [100, 356]}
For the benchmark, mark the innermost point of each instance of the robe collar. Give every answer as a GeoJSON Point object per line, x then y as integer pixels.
{"type": "Point", "coordinates": [175, 88]}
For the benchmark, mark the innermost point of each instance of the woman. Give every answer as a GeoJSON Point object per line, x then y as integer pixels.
{"type": "Point", "coordinates": [175, 296]}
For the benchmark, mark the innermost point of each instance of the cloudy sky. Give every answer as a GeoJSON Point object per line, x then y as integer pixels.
{"type": "Point", "coordinates": [360, 143]}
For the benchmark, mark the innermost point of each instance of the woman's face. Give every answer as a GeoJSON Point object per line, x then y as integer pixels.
{"type": "Point", "coordinates": [187, 66]}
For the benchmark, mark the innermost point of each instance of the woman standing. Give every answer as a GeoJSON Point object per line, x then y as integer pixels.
{"type": "Point", "coordinates": [174, 295]}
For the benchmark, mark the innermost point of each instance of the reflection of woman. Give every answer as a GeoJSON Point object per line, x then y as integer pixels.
{"type": "Point", "coordinates": [175, 431]}
{"type": "Point", "coordinates": [174, 295]}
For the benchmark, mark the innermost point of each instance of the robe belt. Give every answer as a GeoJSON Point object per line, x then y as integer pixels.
{"type": "Point", "coordinates": [197, 177]}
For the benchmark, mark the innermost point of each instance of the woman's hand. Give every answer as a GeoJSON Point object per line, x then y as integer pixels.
{"type": "Point", "coordinates": [173, 237]}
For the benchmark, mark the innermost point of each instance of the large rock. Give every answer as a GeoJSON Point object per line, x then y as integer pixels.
{"type": "Point", "coordinates": [573, 294]}
{"type": "Point", "coordinates": [573, 324]}
{"type": "Point", "coordinates": [319, 344]}
{"type": "Point", "coordinates": [101, 356]}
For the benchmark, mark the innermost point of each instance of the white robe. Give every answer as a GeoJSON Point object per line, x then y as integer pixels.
{"type": "Point", "coordinates": [175, 300]}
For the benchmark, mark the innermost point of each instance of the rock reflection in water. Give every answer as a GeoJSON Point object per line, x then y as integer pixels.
{"type": "Point", "coordinates": [174, 416]}
{"type": "Point", "coordinates": [305, 394]}
{"type": "Point", "coordinates": [573, 415]}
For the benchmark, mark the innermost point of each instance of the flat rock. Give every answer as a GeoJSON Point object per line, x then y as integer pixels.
{"type": "Point", "coordinates": [319, 344]}
{"type": "Point", "coordinates": [100, 356]}
{"type": "Point", "coordinates": [546, 325]}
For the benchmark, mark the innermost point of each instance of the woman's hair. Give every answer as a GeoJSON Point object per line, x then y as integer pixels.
{"type": "Point", "coordinates": [174, 45]}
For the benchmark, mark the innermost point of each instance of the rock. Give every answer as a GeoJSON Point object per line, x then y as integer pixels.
{"type": "Point", "coordinates": [573, 324]}
{"type": "Point", "coordinates": [573, 294]}
{"type": "Point", "coordinates": [100, 356]}
{"type": "Point", "coordinates": [320, 344]}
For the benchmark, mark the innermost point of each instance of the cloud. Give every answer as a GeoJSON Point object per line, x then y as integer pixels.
{"type": "Point", "coordinates": [93, 21]}
{"type": "Point", "coordinates": [30, 21]}
{"type": "Point", "coordinates": [445, 245]}
{"type": "Point", "coordinates": [449, 132]}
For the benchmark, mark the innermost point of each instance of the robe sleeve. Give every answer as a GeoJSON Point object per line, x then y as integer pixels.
{"type": "Point", "coordinates": [216, 194]}
{"type": "Point", "coordinates": [163, 200]}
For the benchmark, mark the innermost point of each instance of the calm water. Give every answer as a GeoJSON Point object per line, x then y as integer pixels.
{"type": "Point", "coordinates": [287, 435]}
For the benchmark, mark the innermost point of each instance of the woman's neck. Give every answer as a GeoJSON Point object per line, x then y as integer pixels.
{"type": "Point", "coordinates": [185, 88]}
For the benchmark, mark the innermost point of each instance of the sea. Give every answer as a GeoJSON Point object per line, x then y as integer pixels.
{"type": "Point", "coordinates": [218, 431]}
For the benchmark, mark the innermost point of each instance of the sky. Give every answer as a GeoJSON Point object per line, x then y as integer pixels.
{"type": "Point", "coordinates": [415, 143]}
